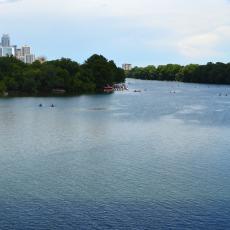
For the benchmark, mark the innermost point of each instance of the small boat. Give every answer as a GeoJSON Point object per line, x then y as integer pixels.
{"type": "Point", "coordinates": [108, 89]}
{"type": "Point", "coordinates": [137, 91]}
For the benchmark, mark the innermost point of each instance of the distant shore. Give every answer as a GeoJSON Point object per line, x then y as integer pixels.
{"type": "Point", "coordinates": [211, 73]}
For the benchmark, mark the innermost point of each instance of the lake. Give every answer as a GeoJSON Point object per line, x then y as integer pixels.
{"type": "Point", "coordinates": [155, 159]}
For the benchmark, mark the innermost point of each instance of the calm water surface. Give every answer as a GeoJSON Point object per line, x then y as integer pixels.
{"type": "Point", "coordinates": [150, 160]}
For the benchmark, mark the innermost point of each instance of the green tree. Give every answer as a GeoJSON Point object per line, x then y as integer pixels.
{"type": "Point", "coordinates": [2, 87]}
{"type": "Point", "coordinates": [102, 71]}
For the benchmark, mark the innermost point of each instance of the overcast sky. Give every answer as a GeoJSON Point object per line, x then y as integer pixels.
{"type": "Point", "coordinates": [140, 32]}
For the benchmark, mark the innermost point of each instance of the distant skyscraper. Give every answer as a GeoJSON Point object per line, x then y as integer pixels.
{"type": "Point", "coordinates": [15, 49]}
{"type": "Point", "coordinates": [127, 67]}
{"type": "Point", "coordinates": [7, 51]}
{"type": "Point", "coordinates": [18, 53]}
{"type": "Point", "coordinates": [25, 50]}
{"type": "Point", "coordinates": [23, 54]}
{"type": "Point", "coordinates": [29, 58]}
{"type": "Point", "coordinates": [5, 41]}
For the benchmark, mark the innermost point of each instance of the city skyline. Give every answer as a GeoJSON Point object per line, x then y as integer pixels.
{"type": "Point", "coordinates": [138, 32]}
{"type": "Point", "coordinates": [23, 53]}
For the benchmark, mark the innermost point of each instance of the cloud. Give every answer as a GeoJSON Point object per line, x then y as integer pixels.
{"type": "Point", "coordinates": [7, 1]}
{"type": "Point", "coordinates": [199, 46]}
{"type": "Point", "coordinates": [205, 44]}
{"type": "Point", "coordinates": [187, 29]}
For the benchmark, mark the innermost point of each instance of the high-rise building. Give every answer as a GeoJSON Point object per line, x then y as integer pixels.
{"type": "Point", "coordinates": [127, 67]}
{"type": "Point", "coordinates": [29, 58]}
{"type": "Point", "coordinates": [5, 41]}
{"type": "Point", "coordinates": [18, 53]}
{"type": "Point", "coordinates": [25, 50]}
{"type": "Point", "coordinates": [15, 49]}
{"type": "Point", "coordinates": [7, 51]}
{"type": "Point", "coordinates": [23, 54]}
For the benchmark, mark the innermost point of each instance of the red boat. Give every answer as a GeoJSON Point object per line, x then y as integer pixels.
{"type": "Point", "coordinates": [108, 89]}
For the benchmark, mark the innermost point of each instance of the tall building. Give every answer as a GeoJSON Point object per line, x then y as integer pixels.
{"type": "Point", "coordinates": [127, 67]}
{"type": "Point", "coordinates": [29, 58]}
{"type": "Point", "coordinates": [5, 48]}
{"type": "Point", "coordinates": [6, 51]}
{"type": "Point", "coordinates": [5, 41]}
{"type": "Point", "coordinates": [15, 49]}
{"type": "Point", "coordinates": [25, 50]}
{"type": "Point", "coordinates": [23, 54]}
{"type": "Point", "coordinates": [18, 53]}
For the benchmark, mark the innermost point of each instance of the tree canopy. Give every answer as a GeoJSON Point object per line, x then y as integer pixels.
{"type": "Point", "coordinates": [212, 73]}
{"type": "Point", "coordinates": [65, 74]}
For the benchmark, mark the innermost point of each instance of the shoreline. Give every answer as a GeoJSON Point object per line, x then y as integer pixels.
{"type": "Point", "coordinates": [181, 82]}
{"type": "Point", "coordinates": [19, 94]}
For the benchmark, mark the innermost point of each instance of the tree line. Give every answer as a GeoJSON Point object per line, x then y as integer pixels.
{"type": "Point", "coordinates": [211, 73]}
{"type": "Point", "coordinates": [64, 74]}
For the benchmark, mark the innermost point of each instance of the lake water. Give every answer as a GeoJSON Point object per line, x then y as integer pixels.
{"type": "Point", "coordinates": [149, 160]}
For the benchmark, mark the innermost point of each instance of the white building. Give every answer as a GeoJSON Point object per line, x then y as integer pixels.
{"type": "Point", "coordinates": [25, 50]}
{"type": "Point", "coordinates": [127, 67]}
{"type": "Point", "coordinates": [29, 58]}
{"type": "Point", "coordinates": [6, 51]}
{"type": "Point", "coordinates": [5, 48]}
{"type": "Point", "coordinates": [23, 54]}
{"type": "Point", "coordinates": [18, 53]}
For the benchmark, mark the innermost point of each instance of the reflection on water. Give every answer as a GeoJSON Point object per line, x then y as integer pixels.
{"type": "Point", "coordinates": [147, 160]}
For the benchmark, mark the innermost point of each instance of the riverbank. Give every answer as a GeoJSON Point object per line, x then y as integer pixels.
{"type": "Point", "coordinates": [58, 77]}
{"type": "Point", "coordinates": [211, 73]}
{"type": "Point", "coordinates": [47, 94]}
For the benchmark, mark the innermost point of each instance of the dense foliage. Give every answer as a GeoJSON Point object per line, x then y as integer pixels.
{"type": "Point", "coordinates": [214, 73]}
{"type": "Point", "coordinates": [64, 74]}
